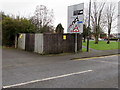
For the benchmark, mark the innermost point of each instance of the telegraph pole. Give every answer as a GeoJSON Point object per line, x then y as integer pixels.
{"type": "Point", "coordinates": [88, 27]}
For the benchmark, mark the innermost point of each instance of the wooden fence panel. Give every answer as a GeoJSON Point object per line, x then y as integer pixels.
{"type": "Point", "coordinates": [30, 39]}
{"type": "Point", "coordinates": [79, 40]}
{"type": "Point", "coordinates": [54, 43]}
{"type": "Point", "coordinates": [68, 44]}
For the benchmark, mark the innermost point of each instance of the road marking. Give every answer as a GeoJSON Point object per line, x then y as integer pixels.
{"type": "Point", "coordinates": [88, 59]}
{"type": "Point", "coordinates": [105, 62]}
{"type": "Point", "coordinates": [96, 57]}
{"type": "Point", "coordinates": [45, 79]}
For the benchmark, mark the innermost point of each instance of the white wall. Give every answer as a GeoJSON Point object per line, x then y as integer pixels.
{"type": "Point", "coordinates": [21, 42]}
{"type": "Point", "coordinates": [38, 43]}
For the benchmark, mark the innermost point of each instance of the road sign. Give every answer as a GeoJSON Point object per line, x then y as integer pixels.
{"type": "Point", "coordinates": [20, 36]}
{"type": "Point", "coordinates": [64, 37]}
{"type": "Point", "coordinates": [75, 18]}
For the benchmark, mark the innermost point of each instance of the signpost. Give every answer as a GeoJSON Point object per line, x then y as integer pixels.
{"type": "Point", "coordinates": [75, 20]}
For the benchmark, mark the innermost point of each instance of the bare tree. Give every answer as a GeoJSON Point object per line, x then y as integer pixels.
{"type": "Point", "coordinates": [85, 25]}
{"type": "Point", "coordinates": [96, 18]}
{"type": "Point", "coordinates": [43, 18]}
{"type": "Point", "coordinates": [86, 14]}
{"type": "Point", "coordinates": [110, 17]}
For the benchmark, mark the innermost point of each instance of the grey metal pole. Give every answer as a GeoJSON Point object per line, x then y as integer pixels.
{"type": "Point", "coordinates": [75, 42]}
{"type": "Point", "coordinates": [88, 26]}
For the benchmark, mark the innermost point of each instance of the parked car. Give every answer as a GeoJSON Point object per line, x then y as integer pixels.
{"type": "Point", "coordinates": [105, 39]}
{"type": "Point", "coordinates": [100, 39]}
{"type": "Point", "coordinates": [91, 38]}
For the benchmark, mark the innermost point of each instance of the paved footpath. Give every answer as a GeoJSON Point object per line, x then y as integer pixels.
{"type": "Point", "coordinates": [97, 53]}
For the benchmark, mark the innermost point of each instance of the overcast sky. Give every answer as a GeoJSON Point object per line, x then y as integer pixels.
{"type": "Point", "coordinates": [27, 7]}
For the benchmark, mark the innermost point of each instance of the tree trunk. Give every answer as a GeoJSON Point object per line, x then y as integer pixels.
{"type": "Point", "coordinates": [109, 29]}
{"type": "Point", "coordinates": [96, 39]}
{"type": "Point", "coordinates": [84, 39]}
{"type": "Point", "coordinates": [108, 42]}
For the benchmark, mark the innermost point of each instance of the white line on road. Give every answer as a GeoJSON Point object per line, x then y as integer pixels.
{"type": "Point", "coordinates": [45, 79]}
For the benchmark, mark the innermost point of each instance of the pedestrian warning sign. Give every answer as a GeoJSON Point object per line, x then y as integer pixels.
{"type": "Point", "coordinates": [75, 18]}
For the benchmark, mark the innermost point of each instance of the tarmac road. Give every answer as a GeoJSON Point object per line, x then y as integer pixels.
{"type": "Point", "coordinates": [27, 70]}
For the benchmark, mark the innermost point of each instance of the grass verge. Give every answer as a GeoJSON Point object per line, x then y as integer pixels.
{"type": "Point", "coordinates": [102, 45]}
{"type": "Point", "coordinates": [84, 49]}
